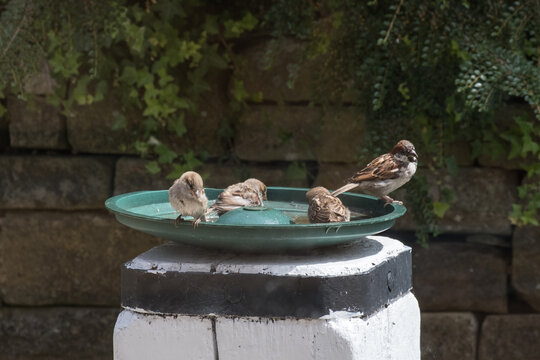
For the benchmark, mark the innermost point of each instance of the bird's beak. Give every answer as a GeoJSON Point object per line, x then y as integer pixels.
{"type": "Point", "coordinates": [198, 193]}
{"type": "Point", "coordinates": [415, 155]}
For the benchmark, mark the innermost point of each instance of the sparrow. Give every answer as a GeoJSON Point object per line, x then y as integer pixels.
{"type": "Point", "coordinates": [385, 173]}
{"type": "Point", "coordinates": [251, 192]}
{"type": "Point", "coordinates": [324, 208]}
{"type": "Point", "coordinates": [187, 196]}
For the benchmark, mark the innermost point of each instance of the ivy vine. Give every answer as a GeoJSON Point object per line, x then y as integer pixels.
{"type": "Point", "coordinates": [434, 71]}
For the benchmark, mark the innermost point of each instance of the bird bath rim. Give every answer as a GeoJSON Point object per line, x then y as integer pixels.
{"type": "Point", "coordinates": [254, 237]}
{"type": "Point", "coordinates": [398, 211]}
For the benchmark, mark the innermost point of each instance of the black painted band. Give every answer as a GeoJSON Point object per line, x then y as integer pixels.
{"type": "Point", "coordinates": [266, 295]}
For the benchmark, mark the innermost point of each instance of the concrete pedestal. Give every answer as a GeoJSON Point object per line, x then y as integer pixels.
{"type": "Point", "coordinates": [349, 302]}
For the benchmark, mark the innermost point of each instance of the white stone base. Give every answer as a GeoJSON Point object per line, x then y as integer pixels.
{"type": "Point", "coordinates": [391, 333]}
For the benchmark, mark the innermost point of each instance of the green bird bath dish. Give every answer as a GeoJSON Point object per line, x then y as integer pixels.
{"type": "Point", "coordinates": [281, 225]}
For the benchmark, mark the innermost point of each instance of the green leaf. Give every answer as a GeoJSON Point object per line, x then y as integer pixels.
{"type": "Point", "coordinates": [257, 97]}
{"type": "Point", "coordinates": [119, 121]}
{"type": "Point", "coordinates": [3, 110]}
{"type": "Point", "coordinates": [440, 208]}
{"type": "Point", "coordinates": [129, 75]}
{"type": "Point", "coordinates": [101, 90]}
{"type": "Point", "coordinates": [165, 155]}
{"type": "Point", "coordinates": [529, 146]}
{"type": "Point", "coordinates": [451, 165]}
{"type": "Point", "coordinates": [296, 171]}
{"type": "Point", "coordinates": [239, 91]}
{"type": "Point", "coordinates": [80, 92]}
{"type": "Point", "coordinates": [190, 160]}
{"type": "Point", "coordinates": [211, 25]}
{"type": "Point", "coordinates": [448, 195]}
{"type": "Point", "coordinates": [142, 147]}
{"type": "Point", "coordinates": [153, 167]}
{"type": "Point", "coordinates": [177, 171]}
{"type": "Point", "coordinates": [404, 90]}
{"type": "Point", "coordinates": [234, 29]}
{"type": "Point", "coordinates": [515, 214]}
{"type": "Point", "coordinates": [176, 124]}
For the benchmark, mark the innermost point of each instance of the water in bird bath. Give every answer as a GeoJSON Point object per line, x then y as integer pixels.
{"type": "Point", "coordinates": [296, 211]}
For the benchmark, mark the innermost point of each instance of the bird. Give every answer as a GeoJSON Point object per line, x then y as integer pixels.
{"type": "Point", "coordinates": [385, 173]}
{"type": "Point", "coordinates": [324, 207]}
{"type": "Point", "coordinates": [187, 196]}
{"type": "Point", "coordinates": [251, 192]}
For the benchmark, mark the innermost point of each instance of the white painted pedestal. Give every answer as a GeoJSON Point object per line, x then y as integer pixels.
{"type": "Point", "coordinates": [153, 327]}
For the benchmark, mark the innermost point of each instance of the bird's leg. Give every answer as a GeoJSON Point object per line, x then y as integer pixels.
{"type": "Point", "coordinates": [178, 220]}
{"type": "Point", "coordinates": [198, 220]}
{"type": "Point", "coordinates": [389, 200]}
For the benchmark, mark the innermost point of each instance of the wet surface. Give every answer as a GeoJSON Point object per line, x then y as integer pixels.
{"type": "Point", "coordinates": [296, 211]}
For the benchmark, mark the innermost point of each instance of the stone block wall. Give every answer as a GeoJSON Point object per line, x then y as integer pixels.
{"type": "Point", "coordinates": [60, 251]}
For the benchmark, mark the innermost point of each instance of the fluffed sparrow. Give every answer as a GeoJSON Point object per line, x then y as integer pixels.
{"type": "Point", "coordinates": [385, 174]}
{"type": "Point", "coordinates": [324, 208]}
{"type": "Point", "coordinates": [251, 192]}
{"type": "Point", "coordinates": [187, 196]}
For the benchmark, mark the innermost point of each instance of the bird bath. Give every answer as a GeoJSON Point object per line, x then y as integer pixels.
{"type": "Point", "coordinates": [151, 212]}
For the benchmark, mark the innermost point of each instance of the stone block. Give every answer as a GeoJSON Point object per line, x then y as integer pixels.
{"type": "Point", "coordinates": [36, 124]}
{"type": "Point", "coordinates": [290, 133]}
{"type": "Point", "coordinates": [56, 333]}
{"type": "Point", "coordinates": [462, 152]}
{"type": "Point", "coordinates": [90, 128]}
{"type": "Point", "coordinates": [131, 175]}
{"type": "Point", "coordinates": [333, 175]}
{"type": "Point", "coordinates": [453, 276]}
{"type": "Point", "coordinates": [482, 201]}
{"type": "Point", "coordinates": [278, 175]}
{"type": "Point", "coordinates": [4, 131]}
{"type": "Point", "coordinates": [360, 278]}
{"type": "Point", "coordinates": [53, 257]}
{"type": "Point", "coordinates": [270, 74]}
{"type": "Point", "coordinates": [54, 182]}
{"type": "Point", "coordinates": [41, 82]}
{"type": "Point", "coordinates": [488, 239]}
{"type": "Point", "coordinates": [448, 336]}
{"type": "Point", "coordinates": [526, 264]}
{"type": "Point", "coordinates": [506, 337]}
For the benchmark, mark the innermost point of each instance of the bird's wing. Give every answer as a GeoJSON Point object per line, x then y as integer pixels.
{"type": "Point", "coordinates": [344, 188]}
{"type": "Point", "coordinates": [383, 167]}
{"type": "Point", "coordinates": [248, 195]}
{"type": "Point", "coordinates": [337, 211]}
{"type": "Point", "coordinates": [316, 212]}
{"type": "Point", "coordinates": [326, 208]}
{"type": "Point", "coordinates": [234, 197]}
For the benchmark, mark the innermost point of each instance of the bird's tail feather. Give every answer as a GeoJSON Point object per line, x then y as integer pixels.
{"type": "Point", "coordinates": [344, 188]}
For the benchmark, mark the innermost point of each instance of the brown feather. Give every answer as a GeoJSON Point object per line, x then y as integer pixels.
{"type": "Point", "coordinates": [236, 196]}
{"type": "Point", "coordinates": [374, 170]}
{"type": "Point", "coordinates": [324, 208]}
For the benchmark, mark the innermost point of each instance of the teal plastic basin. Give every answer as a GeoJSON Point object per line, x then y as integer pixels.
{"type": "Point", "coordinates": [151, 212]}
